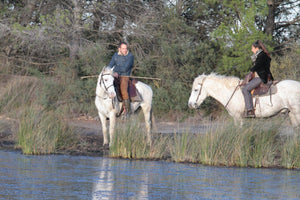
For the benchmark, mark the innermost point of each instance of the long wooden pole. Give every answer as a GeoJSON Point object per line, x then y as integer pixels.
{"type": "Point", "coordinates": [138, 77]}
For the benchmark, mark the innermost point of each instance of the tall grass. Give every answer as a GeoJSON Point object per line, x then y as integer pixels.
{"type": "Point", "coordinates": [256, 144]}
{"type": "Point", "coordinates": [129, 142]}
{"type": "Point", "coordinates": [42, 132]}
{"type": "Point", "coordinates": [238, 146]}
{"type": "Point", "coordinates": [290, 154]}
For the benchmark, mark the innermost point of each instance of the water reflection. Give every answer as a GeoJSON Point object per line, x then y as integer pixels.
{"type": "Point", "coordinates": [67, 177]}
{"type": "Point", "coordinates": [119, 179]}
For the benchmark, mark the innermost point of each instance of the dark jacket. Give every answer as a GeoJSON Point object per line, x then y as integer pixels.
{"type": "Point", "coordinates": [262, 67]}
{"type": "Point", "coordinates": [122, 64]}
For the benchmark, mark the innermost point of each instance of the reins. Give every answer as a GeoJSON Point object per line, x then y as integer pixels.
{"type": "Point", "coordinates": [232, 94]}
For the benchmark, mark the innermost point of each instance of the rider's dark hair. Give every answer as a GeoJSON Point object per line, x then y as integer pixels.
{"type": "Point", "coordinates": [260, 45]}
{"type": "Point", "coordinates": [122, 42]}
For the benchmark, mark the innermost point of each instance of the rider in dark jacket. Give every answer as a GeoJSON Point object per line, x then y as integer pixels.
{"type": "Point", "coordinates": [260, 73]}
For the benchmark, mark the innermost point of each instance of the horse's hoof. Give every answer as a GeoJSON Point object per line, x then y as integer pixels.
{"type": "Point", "coordinates": [105, 146]}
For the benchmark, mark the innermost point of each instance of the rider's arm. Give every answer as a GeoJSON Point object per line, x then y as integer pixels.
{"type": "Point", "coordinates": [112, 62]}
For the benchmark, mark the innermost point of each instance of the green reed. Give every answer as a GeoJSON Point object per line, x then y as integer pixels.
{"type": "Point", "coordinates": [258, 143]}
{"type": "Point", "coordinates": [290, 154]}
{"type": "Point", "coordinates": [42, 132]}
{"type": "Point", "coordinates": [129, 142]}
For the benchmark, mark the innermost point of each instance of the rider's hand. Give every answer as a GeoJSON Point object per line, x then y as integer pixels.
{"type": "Point", "coordinates": [116, 75]}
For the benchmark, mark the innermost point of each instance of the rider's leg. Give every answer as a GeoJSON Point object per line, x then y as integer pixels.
{"type": "Point", "coordinates": [247, 94]}
{"type": "Point", "coordinates": [124, 82]}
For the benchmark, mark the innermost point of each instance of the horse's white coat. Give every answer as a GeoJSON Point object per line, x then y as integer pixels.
{"type": "Point", "coordinates": [222, 89]}
{"type": "Point", "coordinates": [108, 105]}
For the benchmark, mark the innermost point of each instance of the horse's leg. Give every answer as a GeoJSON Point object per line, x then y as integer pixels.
{"type": "Point", "coordinates": [104, 129]}
{"type": "Point", "coordinates": [295, 119]}
{"type": "Point", "coordinates": [147, 117]}
{"type": "Point", "coordinates": [238, 122]}
{"type": "Point", "coordinates": [112, 123]}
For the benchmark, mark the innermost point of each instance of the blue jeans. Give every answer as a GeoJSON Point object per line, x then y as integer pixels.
{"type": "Point", "coordinates": [247, 92]}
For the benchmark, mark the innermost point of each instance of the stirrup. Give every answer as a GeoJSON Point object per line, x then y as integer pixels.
{"type": "Point", "coordinates": [249, 114]}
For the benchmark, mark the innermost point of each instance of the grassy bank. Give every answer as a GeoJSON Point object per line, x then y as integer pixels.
{"type": "Point", "coordinates": [257, 144]}
{"type": "Point", "coordinates": [39, 107]}
{"type": "Point", "coordinates": [39, 126]}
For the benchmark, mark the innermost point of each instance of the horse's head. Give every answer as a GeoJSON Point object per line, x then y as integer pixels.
{"type": "Point", "coordinates": [106, 82]}
{"type": "Point", "coordinates": [198, 93]}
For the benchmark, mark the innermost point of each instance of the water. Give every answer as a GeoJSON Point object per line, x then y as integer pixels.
{"type": "Point", "coordinates": [71, 177]}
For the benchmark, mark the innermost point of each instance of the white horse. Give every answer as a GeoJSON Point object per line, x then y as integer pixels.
{"type": "Point", "coordinates": [227, 91]}
{"type": "Point", "coordinates": [108, 105]}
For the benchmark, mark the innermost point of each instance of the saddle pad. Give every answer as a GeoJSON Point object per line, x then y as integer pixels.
{"type": "Point", "coordinates": [264, 90]}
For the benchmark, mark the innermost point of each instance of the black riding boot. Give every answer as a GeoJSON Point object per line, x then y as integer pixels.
{"type": "Point", "coordinates": [127, 107]}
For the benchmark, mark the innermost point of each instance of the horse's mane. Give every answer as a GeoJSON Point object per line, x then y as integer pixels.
{"type": "Point", "coordinates": [228, 81]}
{"type": "Point", "coordinates": [107, 70]}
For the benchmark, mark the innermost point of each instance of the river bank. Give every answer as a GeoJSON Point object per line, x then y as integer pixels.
{"type": "Point", "coordinates": [90, 135]}
{"type": "Point", "coordinates": [258, 144]}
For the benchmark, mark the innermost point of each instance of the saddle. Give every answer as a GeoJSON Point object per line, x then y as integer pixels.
{"type": "Point", "coordinates": [263, 89]}
{"type": "Point", "coordinates": [134, 94]}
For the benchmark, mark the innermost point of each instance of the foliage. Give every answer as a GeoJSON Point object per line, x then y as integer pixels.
{"type": "Point", "coordinates": [22, 91]}
{"type": "Point", "coordinates": [237, 33]}
{"type": "Point", "coordinates": [178, 61]}
{"type": "Point", "coordinates": [174, 41]}
{"type": "Point", "coordinates": [287, 66]}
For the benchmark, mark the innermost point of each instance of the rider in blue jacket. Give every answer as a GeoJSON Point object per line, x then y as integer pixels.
{"type": "Point", "coordinates": [122, 64]}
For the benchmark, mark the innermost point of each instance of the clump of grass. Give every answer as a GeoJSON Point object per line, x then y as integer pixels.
{"type": "Point", "coordinates": [230, 146]}
{"type": "Point", "coordinates": [259, 143]}
{"type": "Point", "coordinates": [42, 132]}
{"type": "Point", "coordinates": [181, 148]}
{"type": "Point", "coordinates": [129, 141]}
{"type": "Point", "coordinates": [290, 154]}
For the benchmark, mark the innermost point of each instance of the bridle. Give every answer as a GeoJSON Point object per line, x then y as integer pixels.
{"type": "Point", "coordinates": [107, 87]}
{"type": "Point", "coordinates": [101, 80]}
{"type": "Point", "coordinates": [200, 89]}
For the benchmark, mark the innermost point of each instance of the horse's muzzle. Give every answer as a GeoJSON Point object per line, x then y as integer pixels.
{"type": "Point", "coordinates": [192, 105]}
{"type": "Point", "coordinates": [112, 95]}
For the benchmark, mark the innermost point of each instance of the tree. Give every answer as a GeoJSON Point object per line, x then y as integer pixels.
{"type": "Point", "coordinates": [236, 34]}
{"type": "Point", "coordinates": [283, 20]}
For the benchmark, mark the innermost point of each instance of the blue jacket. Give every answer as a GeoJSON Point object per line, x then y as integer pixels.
{"type": "Point", "coordinates": [122, 64]}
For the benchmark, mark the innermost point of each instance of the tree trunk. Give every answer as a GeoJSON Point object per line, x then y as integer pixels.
{"type": "Point", "coordinates": [270, 22]}
{"type": "Point", "coordinates": [75, 40]}
{"type": "Point", "coordinates": [27, 12]}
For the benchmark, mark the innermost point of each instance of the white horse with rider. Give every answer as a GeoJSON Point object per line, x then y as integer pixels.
{"type": "Point", "coordinates": [227, 91]}
{"type": "Point", "coordinates": [108, 105]}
